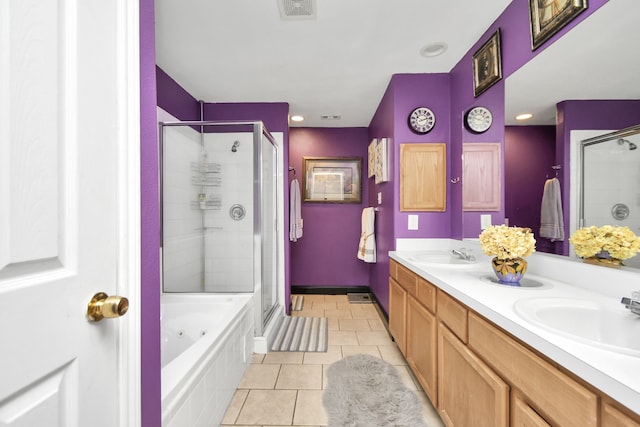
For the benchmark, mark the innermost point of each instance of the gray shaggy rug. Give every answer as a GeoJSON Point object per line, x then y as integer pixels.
{"type": "Point", "coordinates": [365, 391]}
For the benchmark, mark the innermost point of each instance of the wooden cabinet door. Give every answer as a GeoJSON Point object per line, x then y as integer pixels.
{"type": "Point", "coordinates": [469, 392]}
{"type": "Point", "coordinates": [481, 179]}
{"type": "Point", "coordinates": [421, 346]}
{"type": "Point", "coordinates": [397, 314]}
{"type": "Point", "coordinates": [423, 185]}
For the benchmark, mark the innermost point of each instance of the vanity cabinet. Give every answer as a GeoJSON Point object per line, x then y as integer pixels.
{"type": "Point", "coordinates": [476, 374]}
{"type": "Point", "coordinates": [423, 184]}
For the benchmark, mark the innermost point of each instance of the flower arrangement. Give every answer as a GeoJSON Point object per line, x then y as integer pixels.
{"type": "Point", "coordinates": [620, 242]}
{"type": "Point", "coordinates": [507, 242]}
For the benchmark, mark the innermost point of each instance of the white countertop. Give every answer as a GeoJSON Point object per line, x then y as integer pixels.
{"type": "Point", "coordinates": [615, 374]}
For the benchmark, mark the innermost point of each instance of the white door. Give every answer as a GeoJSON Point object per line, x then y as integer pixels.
{"type": "Point", "coordinates": [68, 211]}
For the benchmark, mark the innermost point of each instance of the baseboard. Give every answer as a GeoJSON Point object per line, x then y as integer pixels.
{"type": "Point", "coordinates": [330, 290]}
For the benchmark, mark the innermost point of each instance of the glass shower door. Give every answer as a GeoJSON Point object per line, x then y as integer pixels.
{"type": "Point", "coordinates": [269, 297]}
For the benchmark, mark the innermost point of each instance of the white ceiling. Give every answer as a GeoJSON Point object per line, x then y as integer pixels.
{"type": "Point", "coordinates": [339, 63]}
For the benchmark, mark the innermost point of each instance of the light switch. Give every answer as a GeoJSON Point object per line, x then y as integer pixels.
{"type": "Point", "coordinates": [380, 198]}
{"type": "Point", "coordinates": [485, 221]}
{"type": "Point", "coordinates": [413, 222]}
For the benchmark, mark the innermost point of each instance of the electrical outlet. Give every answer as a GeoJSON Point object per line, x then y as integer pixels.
{"type": "Point", "coordinates": [413, 222]}
{"type": "Point", "coordinates": [485, 221]}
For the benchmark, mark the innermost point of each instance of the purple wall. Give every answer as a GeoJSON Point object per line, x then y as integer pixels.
{"type": "Point", "coordinates": [411, 91]}
{"type": "Point", "coordinates": [326, 253]}
{"type": "Point", "coordinates": [529, 154]}
{"type": "Point", "coordinates": [150, 224]}
{"type": "Point", "coordinates": [173, 99]}
{"type": "Point", "coordinates": [382, 126]}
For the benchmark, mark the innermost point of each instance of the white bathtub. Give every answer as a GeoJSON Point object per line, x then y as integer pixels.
{"type": "Point", "coordinates": [207, 344]}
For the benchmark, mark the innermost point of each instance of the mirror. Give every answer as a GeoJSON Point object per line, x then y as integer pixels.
{"type": "Point", "coordinates": [596, 60]}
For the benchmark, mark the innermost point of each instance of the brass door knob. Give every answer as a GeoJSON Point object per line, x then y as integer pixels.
{"type": "Point", "coordinates": [102, 305]}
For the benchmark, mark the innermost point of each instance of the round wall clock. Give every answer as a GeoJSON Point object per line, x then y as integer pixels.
{"type": "Point", "coordinates": [422, 120]}
{"type": "Point", "coordinates": [478, 119]}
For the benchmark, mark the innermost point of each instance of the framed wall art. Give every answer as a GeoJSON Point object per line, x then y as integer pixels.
{"type": "Point", "coordinates": [487, 64]}
{"type": "Point", "coordinates": [332, 179]}
{"type": "Point", "coordinates": [549, 16]}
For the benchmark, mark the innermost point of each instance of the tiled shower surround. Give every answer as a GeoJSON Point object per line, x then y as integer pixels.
{"type": "Point", "coordinates": [205, 249]}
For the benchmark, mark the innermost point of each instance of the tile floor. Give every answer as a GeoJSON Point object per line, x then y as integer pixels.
{"type": "Point", "coordinates": [285, 388]}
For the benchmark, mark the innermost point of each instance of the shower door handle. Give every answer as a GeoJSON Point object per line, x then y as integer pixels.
{"type": "Point", "coordinates": [102, 305]}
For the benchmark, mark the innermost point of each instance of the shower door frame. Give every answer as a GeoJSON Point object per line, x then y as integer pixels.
{"type": "Point", "coordinates": [258, 130]}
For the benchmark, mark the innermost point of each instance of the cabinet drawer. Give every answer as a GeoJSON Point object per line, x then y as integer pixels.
{"type": "Point", "coordinates": [393, 269]}
{"type": "Point", "coordinates": [453, 314]}
{"type": "Point", "coordinates": [557, 397]}
{"type": "Point", "coordinates": [426, 294]}
{"type": "Point", "coordinates": [523, 415]}
{"type": "Point", "coordinates": [614, 417]}
{"type": "Point", "coordinates": [407, 279]}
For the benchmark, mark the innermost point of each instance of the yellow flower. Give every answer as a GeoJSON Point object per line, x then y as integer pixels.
{"type": "Point", "coordinates": [507, 242]}
{"type": "Point", "coordinates": [620, 242]}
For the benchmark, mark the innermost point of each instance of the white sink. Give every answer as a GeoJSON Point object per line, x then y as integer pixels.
{"type": "Point", "coordinates": [584, 320]}
{"type": "Point", "coordinates": [439, 257]}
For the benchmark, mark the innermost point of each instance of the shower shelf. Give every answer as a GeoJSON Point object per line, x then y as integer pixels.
{"type": "Point", "coordinates": [207, 180]}
{"type": "Point", "coordinates": [206, 167]}
{"type": "Point", "coordinates": [214, 205]}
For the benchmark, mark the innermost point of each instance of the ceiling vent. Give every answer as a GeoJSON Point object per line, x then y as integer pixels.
{"type": "Point", "coordinates": [297, 9]}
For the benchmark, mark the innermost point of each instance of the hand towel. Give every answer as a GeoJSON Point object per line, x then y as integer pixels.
{"type": "Point", "coordinates": [367, 246]}
{"type": "Point", "coordinates": [295, 211]}
{"type": "Point", "coordinates": [551, 218]}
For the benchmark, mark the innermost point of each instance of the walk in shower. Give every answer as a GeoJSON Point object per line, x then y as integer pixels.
{"type": "Point", "coordinates": [609, 174]}
{"type": "Point", "coordinates": [219, 190]}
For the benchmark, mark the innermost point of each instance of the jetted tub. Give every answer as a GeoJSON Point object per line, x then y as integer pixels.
{"type": "Point", "coordinates": [207, 344]}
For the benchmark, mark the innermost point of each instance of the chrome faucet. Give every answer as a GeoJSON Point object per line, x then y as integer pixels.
{"type": "Point", "coordinates": [463, 254]}
{"type": "Point", "coordinates": [632, 303]}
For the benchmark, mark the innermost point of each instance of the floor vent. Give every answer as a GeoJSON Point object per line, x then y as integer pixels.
{"type": "Point", "coordinates": [359, 298]}
{"type": "Point", "coordinates": [297, 9]}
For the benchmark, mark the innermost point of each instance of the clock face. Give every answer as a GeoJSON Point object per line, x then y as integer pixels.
{"type": "Point", "coordinates": [478, 119]}
{"type": "Point", "coordinates": [422, 120]}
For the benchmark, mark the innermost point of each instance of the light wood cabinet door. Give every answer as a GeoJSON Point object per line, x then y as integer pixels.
{"type": "Point", "coordinates": [422, 330]}
{"type": "Point", "coordinates": [397, 314]}
{"type": "Point", "coordinates": [481, 178]}
{"type": "Point", "coordinates": [469, 392]}
{"type": "Point", "coordinates": [423, 170]}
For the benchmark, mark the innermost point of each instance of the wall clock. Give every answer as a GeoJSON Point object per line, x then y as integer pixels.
{"type": "Point", "coordinates": [422, 120]}
{"type": "Point", "coordinates": [478, 119]}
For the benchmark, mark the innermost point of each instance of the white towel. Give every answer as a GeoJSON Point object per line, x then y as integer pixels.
{"type": "Point", "coordinates": [551, 218]}
{"type": "Point", "coordinates": [295, 212]}
{"type": "Point", "coordinates": [367, 246]}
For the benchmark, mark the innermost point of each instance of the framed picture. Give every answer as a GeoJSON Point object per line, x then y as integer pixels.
{"type": "Point", "coordinates": [382, 163]}
{"type": "Point", "coordinates": [487, 64]}
{"type": "Point", "coordinates": [373, 157]}
{"type": "Point", "coordinates": [332, 179]}
{"type": "Point", "coordinates": [549, 16]}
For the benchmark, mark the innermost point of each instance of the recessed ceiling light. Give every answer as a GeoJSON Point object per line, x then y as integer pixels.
{"type": "Point", "coordinates": [524, 116]}
{"type": "Point", "coordinates": [433, 49]}
{"type": "Point", "coordinates": [297, 118]}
